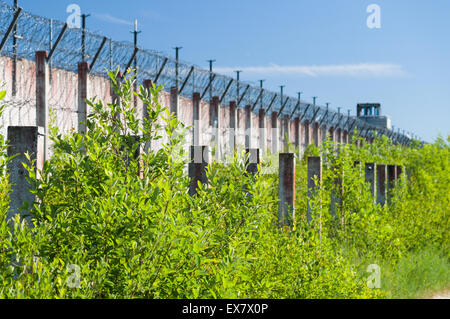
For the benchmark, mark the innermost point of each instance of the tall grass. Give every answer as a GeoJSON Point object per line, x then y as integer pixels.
{"type": "Point", "coordinates": [416, 274]}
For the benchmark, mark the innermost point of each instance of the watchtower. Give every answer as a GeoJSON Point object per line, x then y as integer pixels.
{"type": "Point", "coordinates": [371, 113]}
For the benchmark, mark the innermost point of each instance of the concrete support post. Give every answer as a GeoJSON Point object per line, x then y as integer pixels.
{"type": "Point", "coordinates": [262, 130]}
{"type": "Point", "coordinates": [248, 126]}
{"type": "Point", "coordinates": [174, 101]}
{"type": "Point", "coordinates": [381, 184]}
{"type": "Point", "coordinates": [369, 172]}
{"type": "Point", "coordinates": [339, 136]}
{"type": "Point", "coordinates": [307, 135]}
{"type": "Point", "coordinates": [323, 132]}
{"type": "Point", "coordinates": [336, 197]}
{"type": "Point", "coordinates": [214, 120]}
{"type": "Point", "coordinates": [345, 137]}
{"type": "Point", "coordinates": [357, 165]}
{"type": "Point", "coordinates": [286, 133]}
{"type": "Point", "coordinates": [316, 134]}
{"type": "Point", "coordinates": [332, 134]}
{"type": "Point", "coordinates": [233, 126]}
{"type": "Point", "coordinates": [391, 181]}
{"type": "Point", "coordinates": [314, 171]}
{"type": "Point", "coordinates": [115, 98]}
{"type": "Point", "coordinates": [275, 132]}
{"type": "Point", "coordinates": [22, 140]}
{"type": "Point", "coordinates": [83, 95]}
{"type": "Point", "coordinates": [196, 99]}
{"type": "Point", "coordinates": [214, 111]}
{"type": "Point", "coordinates": [399, 173]}
{"type": "Point", "coordinates": [197, 167]}
{"type": "Point", "coordinates": [42, 86]}
{"type": "Point", "coordinates": [286, 189]}
{"type": "Point", "coordinates": [129, 144]}
{"type": "Point", "coordinates": [148, 84]}
{"type": "Point", "coordinates": [253, 160]}
{"type": "Point", "coordinates": [297, 136]}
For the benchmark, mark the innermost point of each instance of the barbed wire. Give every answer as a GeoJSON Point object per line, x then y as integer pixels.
{"type": "Point", "coordinates": [35, 33]}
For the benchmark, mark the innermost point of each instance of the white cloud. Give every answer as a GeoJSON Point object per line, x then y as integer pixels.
{"type": "Point", "coordinates": [109, 18]}
{"type": "Point", "coordinates": [352, 70]}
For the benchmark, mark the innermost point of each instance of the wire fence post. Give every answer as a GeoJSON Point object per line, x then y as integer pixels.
{"type": "Point", "coordinates": [248, 126]}
{"type": "Point", "coordinates": [42, 86]}
{"type": "Point", "coordinates": [314, 172]}
{"type": "Point", "coordinates": [391, 182]}
{"type": "Point", "coordinates": [286, 189]}
{"type": "Point", "coordinates": [196, 118]}
{"type": "Point", "coordinates": [148, 85]}
{"type": "Point", "coordinates": [275, 132]}
{"type": "Point", "coordinates": [381, 184]}
{"type": "Point", "coordinates": [369, 172]}
{"type": "Point", "coordinates": [83, 95]}
{"type": "Point", "coordinates": [22, 140]}
{"type": "Point", "coordinates": [262, 130]}
{"type": "Point", "coordinates": [197, 168]}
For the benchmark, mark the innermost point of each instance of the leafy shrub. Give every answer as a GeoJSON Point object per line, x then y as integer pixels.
{"type": "Point", "coordinates": [128, 227]}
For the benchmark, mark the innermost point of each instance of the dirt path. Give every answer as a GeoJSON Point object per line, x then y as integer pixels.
{"type": "Point", "coordinates": [444, 294]}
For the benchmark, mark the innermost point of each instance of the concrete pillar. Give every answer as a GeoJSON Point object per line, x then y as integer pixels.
{"type": "Point", "coordinates": [262, 130]}
{"type": "Point", "coordinates": [336, 197]}
{"type": "Point", "coordinates": [174, 101]}
{"type": "Point", "coordinates": [307, 134]}
{"type": "Point", "coordinates": [130, 142]}
{"type": "Point", "coordinates": [214, 120]}
{"type": "Point", "coordinates": [275, 132]}
{"type": "Point", "coordinates": [197, 167]}
{"type": "Point", "coordinates": [297, 136]}
{"type": "Point", "coordinates": [399, 173]}
{"type": "Point", "coordinates": [286, 189]}
{"type": "Point", "coordinates": [316, 134]}
{"type": "Point", "coordinates": [42, 86]}
{"type": "Point", "coordinates": [233, 125]}
{"type": "Point", "coordinates": [345, 137]}
{"type": "Point", "coordinates": [369, 172]}
{"type": "Point", "coordinates": [332, 135]}
{"type": "Point", "coordinates": [248, 126]}
{"type": "Point", "coordinates": [148, 84]}
{"type": "Point", "coordinates": [83, 95]}
{"type": "Point", "coordinates": [314, 171]}
{"type": "Point", "coordinates": [339, 135]}
{"type": "Point", "coordinates": [381, 184]}
{"type": "Point", "coordinates": [214, 111]}
{"type": "Point", "coordinates": [323, 133]}
{"type": "Point", "coordinates": [22, 140]}
{"type": "Point", "coordinates": [253, 160]}
{"type": "Point", "coordinates": [286, 133]}
{"type": "Point", "coordinates": [196, 99]}
{"type": "Point", "coordinates": [391, 181]}
{"type": "Point", "coordinates": [116, 98]}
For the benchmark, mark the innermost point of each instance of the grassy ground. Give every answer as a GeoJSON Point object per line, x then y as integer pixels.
{"type": "Point", "coordinates": [416, 275]}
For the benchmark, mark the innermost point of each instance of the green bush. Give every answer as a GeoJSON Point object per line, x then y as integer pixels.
{"type": "Point", "coordinates": [126, 227]}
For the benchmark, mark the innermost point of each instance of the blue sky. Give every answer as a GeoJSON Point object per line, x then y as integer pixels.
{"type": "Point", "coordinates": [322, 47]}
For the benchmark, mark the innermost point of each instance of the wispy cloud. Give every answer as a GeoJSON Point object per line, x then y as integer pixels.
{"type": "Point", "coordinates": [350, 70]}
{"type": "Point", "coordinates": [109, 18]}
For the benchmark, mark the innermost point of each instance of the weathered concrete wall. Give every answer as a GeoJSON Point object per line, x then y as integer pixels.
{"type": "Point", "coordinates": [64, 98]}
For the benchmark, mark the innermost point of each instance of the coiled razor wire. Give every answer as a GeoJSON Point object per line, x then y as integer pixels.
{"type": "Point", "coordinates": [36, 33]}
